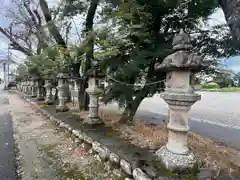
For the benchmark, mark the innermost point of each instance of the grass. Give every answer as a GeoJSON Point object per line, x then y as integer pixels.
{"type": "Point", "coordinates": [228, 89]}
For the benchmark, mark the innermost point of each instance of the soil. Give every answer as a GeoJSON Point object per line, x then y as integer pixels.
{"type": "Point", "coordinates": [220, 158]}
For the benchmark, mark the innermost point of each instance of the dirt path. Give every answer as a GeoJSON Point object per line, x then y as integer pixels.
{"type": "Point", "coordinates": [48, 154]}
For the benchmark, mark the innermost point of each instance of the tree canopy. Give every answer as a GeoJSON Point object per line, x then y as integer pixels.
{"type": "Point", "coordinates": [126, 37]}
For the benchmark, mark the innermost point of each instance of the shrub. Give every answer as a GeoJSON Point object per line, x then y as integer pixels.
{"type": "Point", "coordinates": [211, 85]}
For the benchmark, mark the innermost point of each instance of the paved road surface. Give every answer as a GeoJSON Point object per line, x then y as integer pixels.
{"type": "Point", "coordinates": [216, 116]}
{"type": "Point", "coordinates": [7, 157]}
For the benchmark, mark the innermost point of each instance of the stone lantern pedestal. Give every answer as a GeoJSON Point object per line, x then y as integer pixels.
{"type": "Point", "coordinates": [25, 87]}
{"type": "Point", "coordinates": [94, 92]}
{"type": "Point", "coordinates": [28, 87]}
{"type": "Point", "coordinates": [34, 88]}
{"type": "Point", "coordinates": [179, 96]}
{"type": "Point", "coordinates": [49, 97]}
{"type": "Point", "coordinates": [62, 92]}
{"type": "Point", "coordinates": [71, 89]}
{"type": "Point", "coordinates": [21, 86]}
{"type": "Point", "coordinates": [76, 93]}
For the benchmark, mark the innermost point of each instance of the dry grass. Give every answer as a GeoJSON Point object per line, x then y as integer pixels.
{"type": "Point", "coordinates": [222, 159]}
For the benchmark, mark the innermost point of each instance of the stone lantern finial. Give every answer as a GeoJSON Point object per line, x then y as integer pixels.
{"type": "Point", "coordinates": [182, 41]}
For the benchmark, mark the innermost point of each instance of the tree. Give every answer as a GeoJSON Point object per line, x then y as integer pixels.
{"type": "Point", "coordinates": [224, 78]}
{"type": "Point", "coordinates": [231, 9]}
{"type": "Point", "coordinates": [140, 36]}
{"type": "Point", "coordinates": [237, 78]}
{"type": "Point", "coordinates": [26, 32]}
{"type": "Point", "coordinates": [89, 55]}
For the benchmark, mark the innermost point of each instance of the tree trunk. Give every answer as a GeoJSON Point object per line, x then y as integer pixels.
{"type": "Point", "coordinates": [50, 23]}
{"type": "Point", "coordinates": [231, 9]}
{"type": "Point", "coordinates": [131, 108]}
{"type": "Point", "coordinates": [84, 98]}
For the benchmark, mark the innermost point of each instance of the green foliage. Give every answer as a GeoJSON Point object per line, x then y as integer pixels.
{"type": "Point", "coordinates": [237, 78]}
{"type": "Point", "coordinates": [22, 72]}
{"type": "Point", "coordinates": [54, 59]}
{"type": "Point", "coordinates": [224, 78]}
{"type": "Point", "coordinates": [211, 85]}
{"type": "Point", "coordinates": [140, 35]}
{"type": "Point", "coordinates": [135, 35]}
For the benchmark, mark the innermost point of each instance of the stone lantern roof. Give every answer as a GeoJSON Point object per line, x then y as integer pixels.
{"type": "Point", "coordinates": [182, 58]}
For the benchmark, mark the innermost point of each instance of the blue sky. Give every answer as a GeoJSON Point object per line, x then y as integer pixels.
{"type": "Point", "coordinates": [233, 63]}
{"type": "Point", "coordinates": [216, 18]}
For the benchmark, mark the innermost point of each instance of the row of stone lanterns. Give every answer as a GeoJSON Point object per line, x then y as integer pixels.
{"type": "Point", "coordinates": [179, 96]}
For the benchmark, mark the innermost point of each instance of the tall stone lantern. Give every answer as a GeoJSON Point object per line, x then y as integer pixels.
{"type": "Point", "coordinates": [62, 92]}
{"type": "Point", "coordinates": [34, 87]}
{"type": "Point", "coordinates": [40, 96]}
{"type": "Point", "coordinates": [25, 84]}
{"type": "Point", "coordinates": [179, 96]}
{"type": "Point", "coordinates": [93, 91]}
{"type": "Point", "coordinates": [48, 86]}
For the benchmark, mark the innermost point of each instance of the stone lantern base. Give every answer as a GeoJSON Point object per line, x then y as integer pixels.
{"type": "Point", "coordinates": [176, 162]}
{"type": "Point", "coordinates": [48, 102]}
{"type": "Point", "coordinates": [61, 108]}
{"type": "Point", "coordinates": [34, 96]}
{"type": "Point", "coordinates": [40, 98]}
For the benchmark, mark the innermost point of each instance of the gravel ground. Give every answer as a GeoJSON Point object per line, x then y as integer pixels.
{"type": "Point", "coordinates": [49, 154]}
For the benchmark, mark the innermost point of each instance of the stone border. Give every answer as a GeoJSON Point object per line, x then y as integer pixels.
{"type": "Point", "coordinates": [104, 153]}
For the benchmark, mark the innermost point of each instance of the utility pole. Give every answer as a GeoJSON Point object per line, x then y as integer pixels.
{"type": "Point", "coordinates": [7, 64]}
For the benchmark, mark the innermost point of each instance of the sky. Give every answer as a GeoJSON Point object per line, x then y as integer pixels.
{"type": "Point", "coordinates": [215, 19]}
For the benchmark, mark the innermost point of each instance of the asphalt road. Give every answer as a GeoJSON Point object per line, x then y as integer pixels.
{"type": "Point", "coordinates": [216, 116]}
{"type": "Point", "coordinates": [7, 155]}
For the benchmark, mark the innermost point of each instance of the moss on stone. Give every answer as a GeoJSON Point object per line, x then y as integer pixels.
{"type": "Point", "coordinates": [188, 174]}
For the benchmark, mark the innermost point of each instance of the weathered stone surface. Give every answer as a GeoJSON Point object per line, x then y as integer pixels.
{"type": "Point", "coordinates": [93, 91]}
{"type": "Point", "coordinates": [75, 132]}
{"type": "Point", "coordinates": [87, 139]}
{"type": "Point", "coordinates": [61, 124]}
{"type": "Point", "coordinates": [138, 174]}
{"type": "Point", "coordinates": [69, 129]}
{"type": "Point", "coordinates": [86, 146]}
{"type": "Point", "coordinates": [104, 153]}
{"type": "Point", "coordinates": [179, 96]}
{"type": "Point", "coordinates": [114, 158]}
{"type": "Point", "coordinates": [126, 166]}
{"type": "Point", "coordinates": [176, 162]}
{"type": "Point", "coordinates": [96, 145]}
{"type": "Point", "coordinates": [205, 173]}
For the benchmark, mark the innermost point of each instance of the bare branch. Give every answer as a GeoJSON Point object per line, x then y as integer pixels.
{"type": "Point", "coordinates": [51, 26]}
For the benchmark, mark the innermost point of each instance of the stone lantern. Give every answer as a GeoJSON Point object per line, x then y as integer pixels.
{"type": "Point", "coordinates": [25, 84]}
{"type": "Point", "coordinates": [71, 89]}
{"type": "Point", "coordinates": [76, 92]}
{"type": "Point", "coordinates": [62, 92]}
{"type": "Point", "coordinates": [34, 87]}
{"type": "Point", "coordinates": [40, 96]}
{"type": "Point", "coordinates": [48, 86]}
{"type": "Point", "coordinates": [94, 92]}
{"type": "Point", "coordinates": [21, 85]}
{"type": "Point", "coordinates": [179, 96]}
{"type": "Point", "coordinates": [28, 86]}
